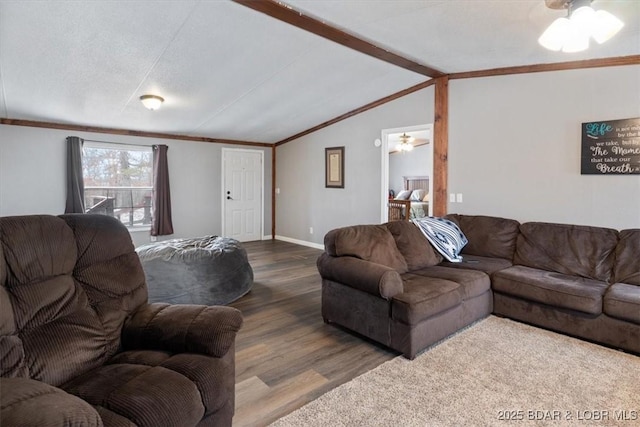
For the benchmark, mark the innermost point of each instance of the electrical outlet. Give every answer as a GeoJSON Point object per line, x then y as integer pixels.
{"type": "Point", "coordinates": [310, 230]}
{"type": "Point", "coordinates": [452, 198]}
{"type": "Point", "coordinates": [459, 197]}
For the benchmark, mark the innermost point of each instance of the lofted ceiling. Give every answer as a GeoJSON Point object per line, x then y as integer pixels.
{"type": "Point", "coordinates": [227, 71]}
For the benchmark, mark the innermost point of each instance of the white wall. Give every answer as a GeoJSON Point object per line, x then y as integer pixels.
{"type": "Point", "coordinates": [304, 201]}
{"type": "Point", "coordinates": [515, 141]}
{"type": "Point", "coordinates": [414, 163]}
{"type": "Point", "coordinates": [32, 178]}
{"type": "Point", "coordinates": [514, 151]}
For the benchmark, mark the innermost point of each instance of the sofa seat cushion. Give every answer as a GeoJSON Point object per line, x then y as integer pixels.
{"type": "Point", "coordinates": [207, 373]}
{"type": "Point", "coordinates": [482, 263]}
{"type": "Point", "coordinates": [27, 402]}
{"type": "Point", "coordinates": [472, 282]}
{"type": "Point", "coordinates": [146, 395]}
{"type": "Point", "coordinates": [424, 297]}
{"type": "Point", "coordinates": [623, 302]}
{"type": "Point", "coordinates": [554, 289]}
{"type": "Point", "coordinates": [111, 419]}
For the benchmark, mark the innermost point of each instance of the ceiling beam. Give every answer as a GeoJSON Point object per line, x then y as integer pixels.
{"type": "Point", "coordinates": [559, 66]}
{"type": "Point", "coordinates": [296, 18]}
{"type": "Point", "coordinates": [116, 131]}
{"type": "Point", "coordinates": [556, 66]}
{"type": "Point", "coordinates": [441, 146]}
{"type": "Point", "coordinates": [536, 68]}
{"type": "Point", "coordinates": [359, 110]}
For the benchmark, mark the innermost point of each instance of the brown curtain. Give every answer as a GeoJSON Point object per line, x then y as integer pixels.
{"type": "Point", "coordinates": [75, 182]}
{"type": "Point", "coordinates": [162, 224]}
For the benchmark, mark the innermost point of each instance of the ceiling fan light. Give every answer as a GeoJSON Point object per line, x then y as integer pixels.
{"type": "Point", "coordinates": [555, 35]}
{"type": "Point", "coordinates": [404, 146]}
{"type": "Point", "coordinates": [151, 102]}
{"type": "Point", "coordinates": [582, 12]}
{"type": "Point", "coordinates": [577, 38]}
{"type": "Point", "coordinates": [582, 20]}
{"type": "Point", "coordinates": [605, 26]}
{"type": "Point", "coordinates": [576, 44]}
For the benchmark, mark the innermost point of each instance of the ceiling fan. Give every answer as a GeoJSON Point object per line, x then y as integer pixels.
{"type": "Point", "coordinates": [406, 142]}
{"type": "Point", "coordinates": [582, 23]}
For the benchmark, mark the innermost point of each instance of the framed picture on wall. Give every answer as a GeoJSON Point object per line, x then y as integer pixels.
{"type": "Point", "coordinates": [334, 167]}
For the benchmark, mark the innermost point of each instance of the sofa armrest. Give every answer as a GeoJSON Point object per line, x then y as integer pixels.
{"type": "Point", "coordinates": [182, 328]}
{"type": "Point", "coordinates": [366, 276]}
{"type": "Point", "coordinates": [27, 402]}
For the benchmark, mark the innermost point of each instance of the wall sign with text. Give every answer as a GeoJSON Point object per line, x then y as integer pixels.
{"type": "Point", "coordinates": [611, 147]}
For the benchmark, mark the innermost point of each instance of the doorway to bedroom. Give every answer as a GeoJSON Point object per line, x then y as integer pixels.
{"type": "Point", "coordinates": [407, 171]}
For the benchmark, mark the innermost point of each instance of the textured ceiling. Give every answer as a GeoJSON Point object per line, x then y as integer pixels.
{"type": "Point", "coordinates": [229, 72]}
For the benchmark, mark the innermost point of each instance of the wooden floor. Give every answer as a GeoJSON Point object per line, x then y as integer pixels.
{"type": "Point", "coordinates": [286, 355]}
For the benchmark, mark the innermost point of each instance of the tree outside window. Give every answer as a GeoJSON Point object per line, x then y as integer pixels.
{"type": "Point", "coordinates": [119, 181]}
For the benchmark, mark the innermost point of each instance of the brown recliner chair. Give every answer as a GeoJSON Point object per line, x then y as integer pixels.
{"type": "Point", "coordinates": [80, 345]}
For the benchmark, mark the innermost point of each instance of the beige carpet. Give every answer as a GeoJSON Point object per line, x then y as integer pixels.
{"type": "Point", "coordinates": [497, 372]}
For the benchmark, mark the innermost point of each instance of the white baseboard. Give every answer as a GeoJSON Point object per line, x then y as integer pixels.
{"type": "Point", "coordinates": [300, 242]}
{"type": "Point", "coordinates": [267, 237]}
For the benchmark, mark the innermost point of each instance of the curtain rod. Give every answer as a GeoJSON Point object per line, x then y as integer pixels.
{"type": "Point", "coordinates": [118, 143]}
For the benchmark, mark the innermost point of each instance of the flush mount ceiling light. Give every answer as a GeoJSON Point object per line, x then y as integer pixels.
{"type": "Point", "coordinates": [572, 34]}
{"type": "Point", "coordinates": [152, 102]}
{"type": "Point", "coordinates": [405, 143]}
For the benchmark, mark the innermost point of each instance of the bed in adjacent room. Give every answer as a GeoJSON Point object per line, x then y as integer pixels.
{"type": "Point", "coordinates": [413, 201]}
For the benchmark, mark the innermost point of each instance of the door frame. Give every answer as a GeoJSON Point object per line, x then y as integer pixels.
{"type": "Point", "coordinates": [223, 199]}
{"type": "Point", "coordinates": [384, 156]}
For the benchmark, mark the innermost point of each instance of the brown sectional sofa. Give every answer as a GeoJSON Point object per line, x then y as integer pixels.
{"type": "Point", "coordinates": [80, 344]}
{"type": "Point", "coordinates": [564, 279]}
{"type": "Point", "coordinates": [387, 283]}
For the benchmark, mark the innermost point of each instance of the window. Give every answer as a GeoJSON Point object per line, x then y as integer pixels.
{"type": "Point", "coordinates": [118, 181]}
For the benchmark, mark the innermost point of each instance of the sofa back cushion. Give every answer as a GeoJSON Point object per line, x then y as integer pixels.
{"type": "Point", "coordinates": [488, 236]}
{"type": "Point", "coordinates": [414, 247]}
{"type": "Point", "coordinates": [109, 270]}
{"type": "Point", "coordinates": [627, 265]}
{"type": "Point", "coordinates": [368, 242]}
{"type": "Point", "coordinates": [40, 254]}
{"type": "Point", "coordinates": [56, 330]}
{"type": "Point", "coordinates": [568, 249]}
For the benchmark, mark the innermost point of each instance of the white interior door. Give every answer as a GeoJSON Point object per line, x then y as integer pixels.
{"type": "Point", "coordinates": [242, 194]}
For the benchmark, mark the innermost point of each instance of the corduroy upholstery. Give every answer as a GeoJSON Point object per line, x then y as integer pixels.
{"type": "Point", "coordinates": [79, 342]}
